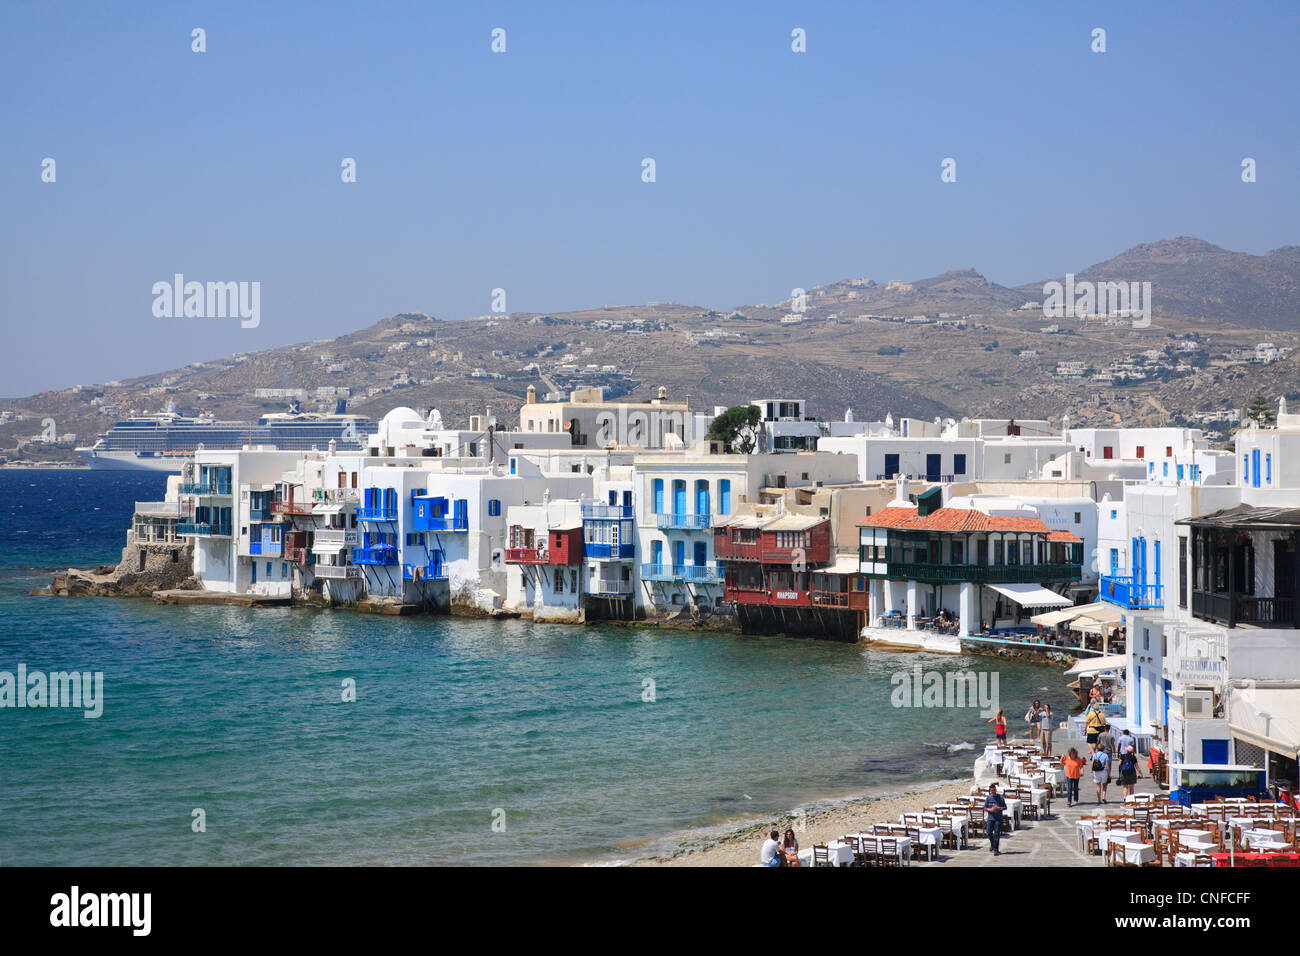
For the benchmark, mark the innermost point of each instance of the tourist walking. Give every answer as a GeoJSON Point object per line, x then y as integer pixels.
{"type": "Point", "coordinates": [1106, 742]}
{"type": "Point", "coordinates": [994, 806]}
{"type": "Point", "coordinates": [1045, 729]}
{"type": "Point", "coordinates": [1101, 773]}
{"type": "Point", "coordinates": [1093, 722]}
{"type": "Point", "coordinates": [1034, 717]}
{"type": "Point", "coordinates": [999, 726]}
{"type": "Point", "coordinates": [1128, 770]}
{"type": "Point", "coordinates": [1124, 741]}
{"type": "Point", "coordinates": [1073, 764]}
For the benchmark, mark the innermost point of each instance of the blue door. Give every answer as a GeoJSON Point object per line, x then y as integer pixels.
{"type": "Point", "coordinates": [657, 553]}
{"type": "Point", "coordinates": [1214, 751]}
{"type": "Point", "coordinates": [1157, 571]}
{"type": "Point", "coordinates": [891, 466]}
{"type": "Point", "coordinates": [462, 513]}
{"type": "Point", "coordinates": [701, 497]}
{"type": "Point", "coordinates": [701, 555]}
{"type": "Point", "coordinates": [658, 493]}
{"type": "Point", "coordinates": [613, 497]}
{"type": "Point", "coordinates": [724, 496]}
{"type": "Point", "coordinates": [679, 554]}
{"type": "Point", "coordinates": [254, 572]}
{"type": "Point", "coordinates": [679, 497]}
{"type": "Point", "coordinates": [933, 467]}
{"type": "Point", "coordinates": [1254, 469]}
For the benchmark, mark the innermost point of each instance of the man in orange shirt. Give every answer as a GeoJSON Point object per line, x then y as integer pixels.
{"type": "Point", "coordinates": [1073, 765]}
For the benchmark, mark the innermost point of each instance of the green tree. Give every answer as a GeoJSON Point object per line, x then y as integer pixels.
{"type": "Point", "coordinates": [1260, 411]}
{"type": "Point", "coordinates": [736, 428]}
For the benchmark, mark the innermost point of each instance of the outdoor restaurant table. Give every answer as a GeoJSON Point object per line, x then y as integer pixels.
{"type": "Point", "coordinates": [1105, 839]}
{"type": "Point", "coordinates": [841, 854]}
{"type": "Point", "coordinates": [1054, 775]}
{"type": "Point", "coordinates": [1186, 859]}
{"type": "Point", "coordinates": [1195, 836]}
{"type": "Point", "coordinates": [1224, 859]}
{"type": "Point", "coordinates": [993, 755]}
{"type": "Point", "coordinates": [1013, 808]}
{"type": "Point", "coordinates": [904, 843]}
{"type": "Point", "coordinates": [1138, 854]}
{"type": "Point", "coordinates": [1260, 839]}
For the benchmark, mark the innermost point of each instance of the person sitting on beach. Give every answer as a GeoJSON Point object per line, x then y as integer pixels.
{"type": "Point", "coordinates": [790, 848]}
{"type": "Point", "coordinates": [999, 726]}
{"type": "Point", "coordinates": [770, 855]}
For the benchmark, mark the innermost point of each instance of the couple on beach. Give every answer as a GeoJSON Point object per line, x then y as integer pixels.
{"type": "Point", "coordinates": [783, 853]}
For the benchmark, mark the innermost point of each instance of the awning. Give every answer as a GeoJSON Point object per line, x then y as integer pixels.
{"type": "Point", "coordinates": [1090, 625]}
{"type": "Point", "coordinates": [1097, 665]}
{"type": "Point", "coordinates": [1031, 595]}
{"type": "Point", "coordinates": [843, 564]}
{"type": "Point", "coordinates": [1054, 618]}
{"type": "Point", "coordinates": [1266, 716]}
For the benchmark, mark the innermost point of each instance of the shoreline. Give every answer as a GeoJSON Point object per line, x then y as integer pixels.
{"type": "Point", "coordinates": [816, 821]}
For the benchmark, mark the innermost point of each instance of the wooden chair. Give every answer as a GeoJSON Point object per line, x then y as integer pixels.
{"type": "Point", "coordinates": [821, 855]}
{"type": "Point", "coordinates": [1202, 859]}
{"type": "Point", "coordinates": [914, 834]}
{"type": "Point", "coordinates": [855, 844]}
{"type": "Point", "coordinates": [886, 849]}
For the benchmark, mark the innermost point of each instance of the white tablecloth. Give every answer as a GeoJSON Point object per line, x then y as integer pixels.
{"type": "Point", "coordinates": [1138, 853]}
{"type": "Point", "coordinates": [874, 840]}
{"type": "Point", "coordinates": [993, 755]}
{"type": "Point", "coordinates": [841, 854]}
{"type": "Point", "coordinates": [1188, 859]}
{"type": "Point", "coordinates": [931, 837]}
{"type": "Point", "coordinates": [1261, 839]}
{"type": "Point", "coordinates": [1054, 775]}
{"type": "Point", "coordinates": [1120, 836]}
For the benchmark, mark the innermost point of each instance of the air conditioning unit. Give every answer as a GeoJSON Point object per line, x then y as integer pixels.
{"type": "Point", "coordinates": [1198, 703]}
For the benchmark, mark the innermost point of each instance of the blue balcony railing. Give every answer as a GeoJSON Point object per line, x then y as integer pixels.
{"type": "Point", "coordinates": [433, 571]}
{"type": "Point", "coordinates": [451, 522]}
{"type": "Point", "coordinates": [1126, 592]}
{"type": "Point", "coordinates": [378, 554]}
{"type": "Point", "coordinates": [379, 513]}
{"type": "Point", "coordinates": [695, 573]}
{"type": "Point", "coordinates": [613, 552]}
{"type": "Point", "coordinates": [203, 488]}
{"type": "Point", "coordinates": [204, 528]}
{"type": "Point", "coordinates": [595, 511]}
{"type": "Point", "coordinates": [669, 522]}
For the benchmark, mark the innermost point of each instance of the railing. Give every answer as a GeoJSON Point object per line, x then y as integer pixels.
{"type": "Point", "coordinates": [203, 528]}
{"type": "Point", "coordinates": [337, 572]}
{"type": "Point", "coordinates": [682, 522]}
{"type": "Point", "coordinates": [336, 495]}
{"type": "Point", "coordinates": [341, 537]}
{"type": "Point", "coordinates": [980, 573]}
{"type": "Point", "coordinates": [606, 587]}
{"type": "Point", "coordinates": [203, 488]}
{"type": "Point", "coordinates": [298, 555]}
{"type": "Point", "coordinates": [925, 477]}
{"type": "Point", "coordinates": [1127, 592]}
{"type": "Point", "coordinates": [1233, 609]}
{"type": "Point", "coordinates": [381, 554]}
{"type": "Point", "coordinates": [526, 556]}
{"type": "Point", "coordinates": [292, 507]}
{"type": "Point", "coordinates": [259, 514]}
{"type": "Point", "coordinates": [703, 573]}
{"type": "Point", "coordinates": [854, 600]}
{"type": "Point", "coordinates": [273, 547]}
{"type": "Point", "coordinates": [661, 572]}
{"type": "Point", "coordinates": [434, 571]}
{"type": "Point", "coordinates": [451, 522]}
{"type": "Point", "coordinates": [380, 513]}
{"type": "Point", "coordinates": [754, 594]}
{"type": "Point", "coordinates": [605, 512]}
{"type": "Point", "coordinates": [168, 509]}
{"type": "Point", "coordinates": [614, 552]}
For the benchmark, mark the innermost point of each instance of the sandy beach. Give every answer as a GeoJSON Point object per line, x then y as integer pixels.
{"type": "Point", "coordinates": [741, 847]}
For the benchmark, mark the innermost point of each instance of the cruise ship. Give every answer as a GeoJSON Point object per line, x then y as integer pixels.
{"type": "Point", "coordinates": [163, 442]}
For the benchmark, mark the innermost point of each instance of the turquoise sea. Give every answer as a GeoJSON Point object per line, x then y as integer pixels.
{"type": "Point", "coordinates": [239, 712]}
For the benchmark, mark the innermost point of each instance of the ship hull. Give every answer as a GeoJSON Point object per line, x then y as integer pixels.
{"type": "Point", "coordinates": [128, 461]}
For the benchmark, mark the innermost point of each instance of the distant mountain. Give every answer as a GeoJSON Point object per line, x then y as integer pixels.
{"type": "Point", "coordinates": [1197, 279]}
{"type": "Point", "coordinates": [961, 291]}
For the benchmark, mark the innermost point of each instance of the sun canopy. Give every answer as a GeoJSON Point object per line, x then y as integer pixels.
{"type": "Point", "coordinates": [1054, 618]}
{"type": "Point", "coordinates": [1097, 665]}
{"type": "Point", "coordinates": [1266, 716]}
{"type": "Point", "coordinates": [1031, 595]}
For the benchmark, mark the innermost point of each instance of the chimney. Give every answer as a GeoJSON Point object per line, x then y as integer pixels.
{"type": "Point", "coordinates": [532, 395]}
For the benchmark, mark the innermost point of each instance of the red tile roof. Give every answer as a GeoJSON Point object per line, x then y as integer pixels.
{"type": "Point", "coordinates": [1067, 536]}
{"type": "Point", "coordinates": [953, 519]}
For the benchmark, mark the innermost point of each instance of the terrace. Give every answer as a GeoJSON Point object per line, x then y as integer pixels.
{"type": "Point", "coordinates": [1244, 566]}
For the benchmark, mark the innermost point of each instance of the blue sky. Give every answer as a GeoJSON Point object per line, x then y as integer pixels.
{"type": "Point", "coordinates": [522, 170]}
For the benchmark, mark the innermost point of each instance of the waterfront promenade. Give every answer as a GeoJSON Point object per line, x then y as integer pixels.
{"type": "Point", "coordinates": [1044, 842]}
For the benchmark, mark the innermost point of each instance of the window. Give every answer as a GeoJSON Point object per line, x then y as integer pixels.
{"type": "Point", "coordinates": [559, 580]}
{"type": "Point", "coordinates": [1107, 451]}
{"type": "Point", "coordinates": [1114, 512]}
{"type": "Point", "coordinates": [1078, 517]}
{"type": "Point", "coordinates": [1268, 469]}
{"type": "Point", "coordinates": [1006, 459]}
{"type": "Point", "coordinates": [494, 507]}
{"type": "Point", "coordinates": [1141, 451]}
{"type": "Point", "coordinates": [1182, 571]}
{"type": "Point", "coordinates": [959, 464]}
{"type": "Point", "coordinates": [284, 569]}
{"type": "Point", "coordinates": [1114, 562]}
{"type": "Point", "coordinates": [268, 569]}
{"type": "Point", "coordinates": [1169, 451]}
